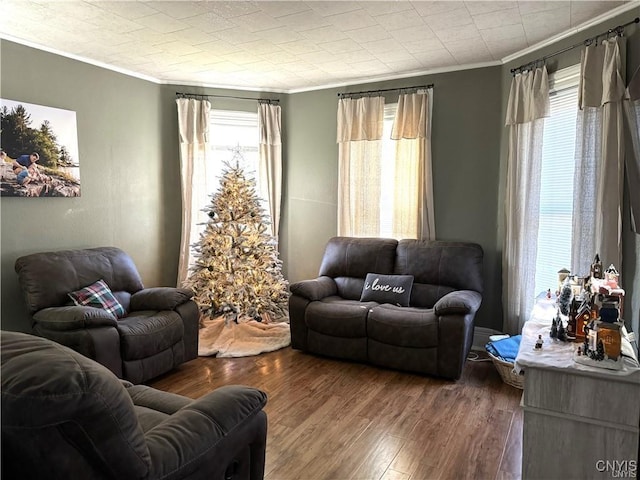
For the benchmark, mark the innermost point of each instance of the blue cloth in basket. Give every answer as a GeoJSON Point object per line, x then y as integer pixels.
{"type": "Point", "coordinates": [505, 349]}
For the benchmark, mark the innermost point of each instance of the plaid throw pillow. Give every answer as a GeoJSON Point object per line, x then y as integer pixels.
{"type": "Point", "coordinates": [100, 296]}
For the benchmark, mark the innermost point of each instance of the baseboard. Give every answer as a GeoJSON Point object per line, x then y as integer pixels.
{"type": "Point", "coordinates": [481, 337]}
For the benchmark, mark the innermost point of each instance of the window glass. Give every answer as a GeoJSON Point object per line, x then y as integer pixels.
{"type": "Point", "coordinates": [230, 130]}
{"type": "Point", "coordinates": [387, 169]}
{"type": "Point", "coordinates": [556, 190]}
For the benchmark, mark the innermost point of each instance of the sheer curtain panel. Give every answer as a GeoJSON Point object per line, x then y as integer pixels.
{"type": "Point", "coordinates": [269, 125]}
{"type": "Point", "coordinates": [193, 130]}
{"type": "Point", "coordinates": [632, 110]}
{"type": "Point", "coordinates": [411, 131]}
{"type": "Point", "coordinates": [527, 107]}
{"type": "Point", "coordinates": [598, 184]}
{"type": "Point", "coordinates": [360, 125]}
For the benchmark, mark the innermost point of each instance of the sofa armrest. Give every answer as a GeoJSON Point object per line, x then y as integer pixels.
{"type": "Point", "coordinates": [159, 298]}
{"type": "Point", "coordinates": [158, 400]}
{"type": "Point", "coordinates": [460, 302]}
{"type": "Point", "coordinates": [73, 318]}
{"type": "Point", "coordinates": [315, 289]}
{"type": "Point", "coordinates": [195, 434]}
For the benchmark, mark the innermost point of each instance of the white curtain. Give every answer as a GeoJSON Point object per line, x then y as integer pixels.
{"type": "Point", "coordinates": [598, 184]}
{"type": "Point", "coordinates": [632, 110]}
{"type": "Point", "coordinates": [360, 125]}
{"type": "Point", "coordinates": [412, 133]}
{"type": "Point", "coordinates": [527, 107]}
{"type": "Point", "coordinates": [270, 168]}
{"type": "Point", "coordinates": [193, 130]}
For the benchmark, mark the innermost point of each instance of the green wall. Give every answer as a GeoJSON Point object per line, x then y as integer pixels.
{"type": "Point", "coordinates": [465, 151]}
{"type": "Point", "coordinates": [127, 134]}
{"type": "Point", "coordinates": [129, 177]}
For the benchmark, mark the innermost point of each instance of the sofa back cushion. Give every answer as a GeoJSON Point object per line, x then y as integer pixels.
{"type": "Point", "coordinates": [58, 405]}
{"type": "Point", "coordinates": [438, 268]}
{"type": "Point", "coordinates": [47, 278]}
{"type": "Point", "coordinates": [348, 260]}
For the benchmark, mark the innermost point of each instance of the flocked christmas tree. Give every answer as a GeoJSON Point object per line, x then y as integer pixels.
{"type": "Point", "coordinates": [237, 272]}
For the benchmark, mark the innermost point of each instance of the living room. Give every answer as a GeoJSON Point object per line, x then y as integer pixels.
{"type": "Point", "coordinates": [128, 144]}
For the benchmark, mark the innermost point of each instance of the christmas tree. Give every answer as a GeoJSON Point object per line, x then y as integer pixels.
{"type": "Point", "coordinates": [237, 272]}
{"type": "Point", "coordinates": [564, 300]}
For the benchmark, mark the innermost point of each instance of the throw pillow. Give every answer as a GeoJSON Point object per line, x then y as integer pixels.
{"type": "Point", "coordinates": [98, 295]}
{"type": "Point", "coordinates": [394, 289]}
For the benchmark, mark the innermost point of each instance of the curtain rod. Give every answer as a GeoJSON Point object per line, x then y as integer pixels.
{"type": "Point", "coordinates": [203, 96]}
{"type": "Point", "coordinates": [619, 30]}
{"type": "Point", "coordinates": [349, 94]}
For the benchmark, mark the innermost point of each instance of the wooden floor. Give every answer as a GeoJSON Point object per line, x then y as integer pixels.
{"type": "Point", "coordinates": [330, 419]}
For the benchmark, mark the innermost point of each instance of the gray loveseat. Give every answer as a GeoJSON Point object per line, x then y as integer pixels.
{"type": "Point", "coordinates": [432, 335]}
{"type": "Point", "coordinates": [156, 331]}
{"type": "Point", "coordinates": [64, 416]}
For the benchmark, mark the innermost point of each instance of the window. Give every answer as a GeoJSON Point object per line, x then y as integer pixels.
{"type": "Point", "coordinates": [387, 167]}
{"type": "Point", "coordinates": [384, 184]}
{"type": "Point", "coordinates": [557, 176]}
{"type": "Point", "coordinates": [228, 130]}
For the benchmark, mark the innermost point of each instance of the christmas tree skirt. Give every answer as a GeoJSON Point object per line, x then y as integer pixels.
{"type": "Point", "coordinates": [217, 338]}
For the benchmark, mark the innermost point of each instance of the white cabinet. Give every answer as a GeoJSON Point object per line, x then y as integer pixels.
{"type": "Point", "coordinates": [579, 422]}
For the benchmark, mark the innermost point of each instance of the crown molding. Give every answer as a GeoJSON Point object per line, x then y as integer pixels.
{"type": "Point", "coordinates": [580, 28]}
{"type": "Point", "coordinates": [384, 78]}
{"type": "Point", "coordinates": [79, 58]}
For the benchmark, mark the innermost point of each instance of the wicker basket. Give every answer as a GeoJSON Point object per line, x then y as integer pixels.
{"type": "Point", "coordinates": [508, 374]}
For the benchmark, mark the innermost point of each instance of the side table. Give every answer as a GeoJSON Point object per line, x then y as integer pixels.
{"type": "Point", "coordinates": [579, 422]}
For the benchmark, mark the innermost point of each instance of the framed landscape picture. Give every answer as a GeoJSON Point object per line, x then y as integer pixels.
{"type": "Point", "coordinates": [38, 151]}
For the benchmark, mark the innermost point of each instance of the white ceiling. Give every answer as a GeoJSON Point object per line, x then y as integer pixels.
{"type": "Point", "coordinates": [291, 46]}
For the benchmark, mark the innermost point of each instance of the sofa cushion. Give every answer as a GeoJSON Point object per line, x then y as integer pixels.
{"type": "Point", "coordinates": [355, 257]}
{"type": "Point", "coordinates": [403, 326]}
{"type": "Point", "coordinates": [426, 296]}
{"type": "Point", "coordinates": [455, 265]}
{"type": "Point", "coordinates": [146, 333]}
{"type": "Point", "coordinates": [153, 406]}
{"type": "Point", "coordinates": [393, 289]}
{"type": "Point", "coordinates": [98, 295]}
{"type": "Point", "coordinates": [338, 317]}
{"type": "Point", "coordinates": [349, 288]}
{"type": "Point", "coordinates": [149, 418]}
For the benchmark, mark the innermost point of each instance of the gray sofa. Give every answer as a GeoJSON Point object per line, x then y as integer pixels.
{"type": "Point", "coordinates": [431, 335]}
{"type": "Point", "coordinates": [157, 332]}
{"type": "Point", "coordinates": [65, 416]}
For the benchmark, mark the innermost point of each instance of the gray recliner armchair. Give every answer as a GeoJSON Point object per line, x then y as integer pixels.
{"type": "Point", "coordinates": [65, 416]}
{"type": "Point", "coordinates": [156, 332]}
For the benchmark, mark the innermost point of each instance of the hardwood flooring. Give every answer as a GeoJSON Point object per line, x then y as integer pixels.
{"type": "Point", "coordinates": [334, 420]}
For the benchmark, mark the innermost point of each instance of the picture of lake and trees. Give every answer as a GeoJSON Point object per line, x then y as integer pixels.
{"type": "Point", "coordinates": [38, 151]}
